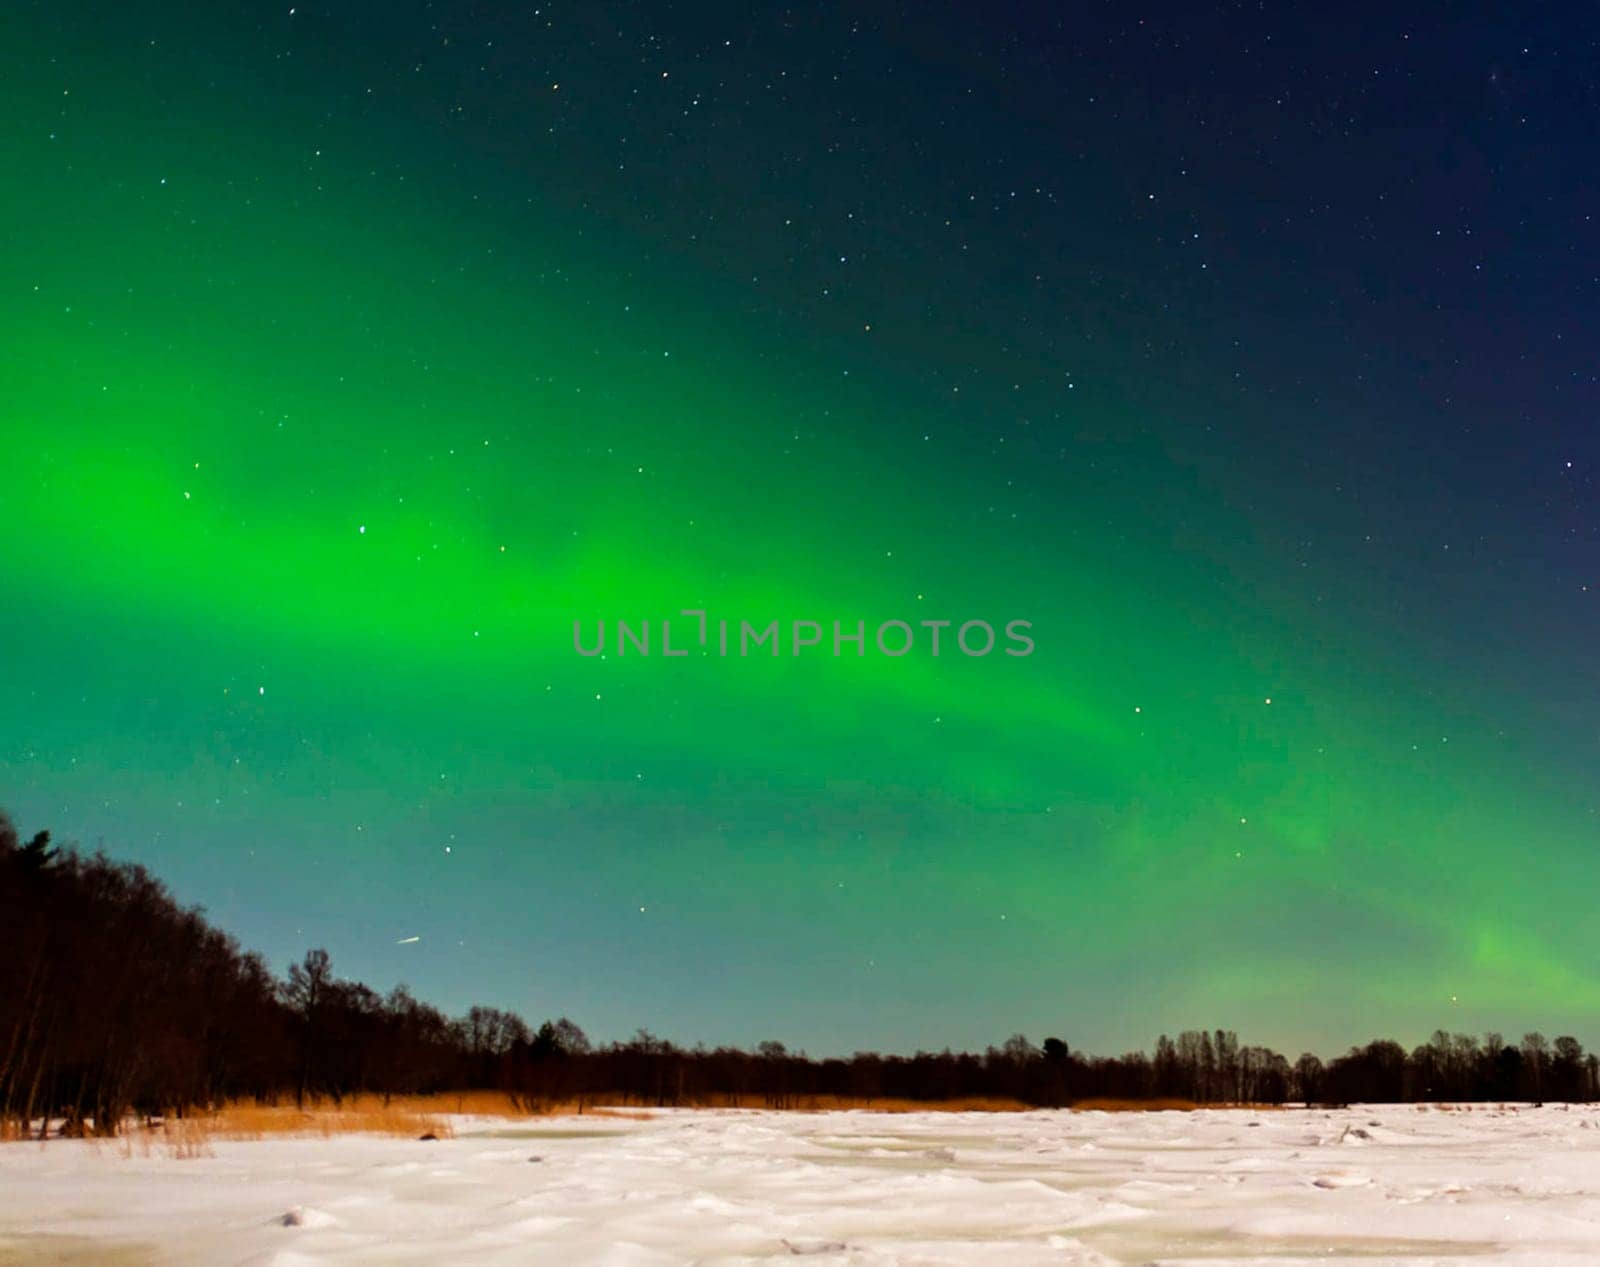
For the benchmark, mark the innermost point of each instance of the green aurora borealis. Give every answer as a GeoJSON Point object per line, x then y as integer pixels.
{"type": "Point", "coordinates": [334, 392]}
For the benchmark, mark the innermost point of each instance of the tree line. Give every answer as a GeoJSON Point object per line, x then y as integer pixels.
{"type": "Point", "coordinates": [117, 1001]}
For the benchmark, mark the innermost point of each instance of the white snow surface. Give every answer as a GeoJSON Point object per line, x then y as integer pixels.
{"type": "Point", "coordinates": [1370, 1185]}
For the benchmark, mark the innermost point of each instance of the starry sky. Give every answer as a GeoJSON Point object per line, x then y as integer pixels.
{"type": "Point", "coordinates": [349, 353]}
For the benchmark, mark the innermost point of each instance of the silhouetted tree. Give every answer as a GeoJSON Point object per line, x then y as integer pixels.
{"type": "Point", "coordinates": [306, 994]}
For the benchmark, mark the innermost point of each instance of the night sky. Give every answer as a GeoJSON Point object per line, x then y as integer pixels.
{"type": "Point", "coordinates": [350, 352]}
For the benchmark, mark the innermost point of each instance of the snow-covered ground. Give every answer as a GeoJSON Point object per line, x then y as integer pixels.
{"type": "Point", "coordinates": [1370, 1185]}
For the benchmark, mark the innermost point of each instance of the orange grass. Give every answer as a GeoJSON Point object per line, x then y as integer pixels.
{"type": "Point", "coordinates": [411, 1116]}
{"type": "Point", "coordinates": [405, 1115]}
{"type": "Point", "coordinates": [1168, 1105]}
{"type": "Point", "coordinates": [356, 1115]}
{"type": "Point", "coordinates": [834, 1103]}
{"type": "Point", "coordinates": [421, 1114]}
{"type": "Point", "coordinates": [1138, 1106]}
{"type": "Point", "coordinates": [253, 1122]}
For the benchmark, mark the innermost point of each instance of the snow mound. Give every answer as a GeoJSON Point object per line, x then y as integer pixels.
{"type": "Point", "coordinates": [814, 1247]}
{"type": "Point", "coordinates": [1342, 1179]}
{"type": "Point", "coordinates": [306, 1216]}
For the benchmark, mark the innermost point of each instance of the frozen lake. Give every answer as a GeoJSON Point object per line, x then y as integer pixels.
{"type": "Point", "coordinates": [1390, 1184]}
